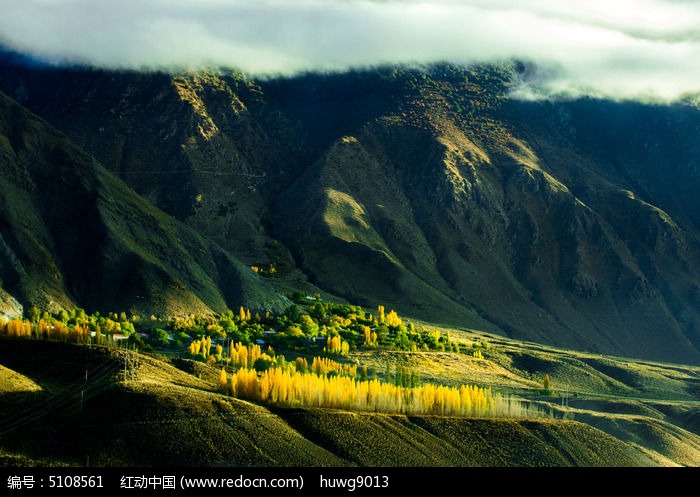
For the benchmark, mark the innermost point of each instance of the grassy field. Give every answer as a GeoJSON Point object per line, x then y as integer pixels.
{"type": "Point", "coordinates": [603, 411]}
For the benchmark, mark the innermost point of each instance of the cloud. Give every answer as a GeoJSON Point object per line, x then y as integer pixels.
{"type": "Point", "coordinates": [619, 48]}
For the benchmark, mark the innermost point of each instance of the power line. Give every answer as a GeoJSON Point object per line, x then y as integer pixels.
{"type": "Point", "coordinates": [62, 398]}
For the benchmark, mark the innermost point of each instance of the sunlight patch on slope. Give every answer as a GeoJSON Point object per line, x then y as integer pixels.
{"type": "Point", "coordinates": [461, 159]}
{"type": "Point", "coordinates": [187, 89]}
{"type": "Point", "coordinates": [456, 141]}
{"type": "Point", "coordinates": [11, 381]}
{"type": "Point", "coordinates": [347, 219]}
{"type": "Point", "coordinates": [522, 154]}
{"type": "Point", "coordinates": [663, 215]}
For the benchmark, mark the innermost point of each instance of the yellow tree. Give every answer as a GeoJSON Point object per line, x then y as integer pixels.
{"type": "Point", "coordinates": [393, 319]}
{"type": "Point", "coordinates": [223, 380]}
{"type": "Point", "coordinates": [205, 345]}
{"type": "Point", "coordinates": [301, 364]}
{"type": "Point", "coordinates": [287, 387]}
{"type": "Point", "coordinates": [380, 314]}
{"type": "Point", "coordinates": [367, 332]}
{"type": "Point", "coordinates": [195, 347]}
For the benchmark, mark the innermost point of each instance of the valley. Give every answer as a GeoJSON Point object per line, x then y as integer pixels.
{"type": "Point", "coordinates": [173, 244]}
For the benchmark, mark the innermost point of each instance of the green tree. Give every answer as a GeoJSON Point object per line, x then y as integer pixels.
{"type": "Point", "coordinates": [401, 340]}
{"type": "Point", "coordinates": [62, 316]}
{"type": "Point", "coordinates": [262, 363]}
{"type": "Point", "coordinates": [308, 326]}
{"type": "Point", "coordinates": [33, 314]}
{"type": "Point", "coordinates": [292, 313]}
{"type": "Point", "coordinates": [159, 338]}
{"type": "Point", "coordinates": [318, 311]}
{"type": "Point", "coordinates": [398, 375]}
{"type": "Point", "coordinates": [415, 380]}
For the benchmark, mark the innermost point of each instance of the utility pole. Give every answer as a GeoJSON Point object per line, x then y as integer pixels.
{"type": "Point", "coordinates": [82, 391]}
{"type": "Point", "coordinates": [132, 361]}
{"type": "Point", "coordinates": [129, 362]}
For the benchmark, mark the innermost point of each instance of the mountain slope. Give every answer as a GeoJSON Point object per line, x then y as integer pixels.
{"type": "Point", "coordinates": [430, 191]}
{"type": "Point", "coordinates": [73, 235]}
{"type": "Point", "coordinates": [500, 199]}
{"type": "Point", "coordinates": [165, 417]}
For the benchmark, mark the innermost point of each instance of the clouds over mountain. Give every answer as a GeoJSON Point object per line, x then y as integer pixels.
{"type": "Point", "coordinates": [626, 48]}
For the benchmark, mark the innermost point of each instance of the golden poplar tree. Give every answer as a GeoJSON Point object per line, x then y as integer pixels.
{"type": "Point", "coordinates": [393, 319]}
{"type": "Point", "coordinates": [380, 314]}
{"type": "Point", "coordinates": [223, 379]}
{"type": "Point", "coordinates": [370, 337]}
{"type": "Point", "coordinates": [301, 364]}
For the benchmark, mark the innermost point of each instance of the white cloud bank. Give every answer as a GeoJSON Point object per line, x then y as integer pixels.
{"type": "Point", "coordinates": [613, 48]}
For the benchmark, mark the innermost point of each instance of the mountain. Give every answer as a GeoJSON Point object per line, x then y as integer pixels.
{"type": "Point", "coordinates": [429, 190]}
{"type": "Point", "coordinates": [73, 235]}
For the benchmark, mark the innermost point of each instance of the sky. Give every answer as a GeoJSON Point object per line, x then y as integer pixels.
{"type": "Point", "coordinates": [623, 49]}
